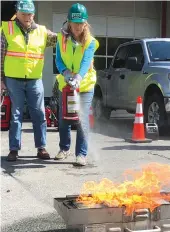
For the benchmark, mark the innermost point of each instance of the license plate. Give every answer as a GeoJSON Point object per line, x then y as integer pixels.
{"type": "Point", "coordinates": [95, 228]}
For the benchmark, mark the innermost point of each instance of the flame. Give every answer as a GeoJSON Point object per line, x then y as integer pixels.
{"type": "Point", "coordinates": [143, 190]}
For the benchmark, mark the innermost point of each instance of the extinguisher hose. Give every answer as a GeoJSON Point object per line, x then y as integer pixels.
{"type": "Point", "coordinates": [3, 94]}
{"type": "Point", "coordinates": [2, 100]}
{"type": "Point", "coordinates": [53, 115]}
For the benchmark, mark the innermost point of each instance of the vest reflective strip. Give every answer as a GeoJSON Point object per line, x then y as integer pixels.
{"type": "Point", "coordinates": [10, 28]}
{"type": "Point", "coordinates": [64, 44]}
{"type": "Point", "coordinates": [21, 54]}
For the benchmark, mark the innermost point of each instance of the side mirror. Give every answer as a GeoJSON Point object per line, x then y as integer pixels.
{"type": "Point", "coordinates": [109, 73]}
{"type": "Point", "coordinates": [132, 63]}
{"type": "Point", "coordinates": [109, 76]}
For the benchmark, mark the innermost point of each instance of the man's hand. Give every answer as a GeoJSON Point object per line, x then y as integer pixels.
{"type": "Point", "coordinates": [51, 39]}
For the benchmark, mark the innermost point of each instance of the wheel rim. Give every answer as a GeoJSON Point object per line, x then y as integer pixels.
{"type": "Point", "coordinates": [154, 113]}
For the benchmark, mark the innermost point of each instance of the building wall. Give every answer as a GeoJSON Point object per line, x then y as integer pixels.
{"type": "Point", "coordinates": [144, 9]}
{"type": "Point", "coordinates": [143, 12]}
{"type": "Point", "coordinates": [44, 11]}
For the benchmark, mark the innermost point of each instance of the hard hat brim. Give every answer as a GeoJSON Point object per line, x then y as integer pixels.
{"type": "Point", "coordinates": [27, 11]}
{"type": "Point", "coordinates": [78, 20]}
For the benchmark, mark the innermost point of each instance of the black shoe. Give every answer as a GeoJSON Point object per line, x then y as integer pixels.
{"type": "Point", "coordinates": [12, 156]}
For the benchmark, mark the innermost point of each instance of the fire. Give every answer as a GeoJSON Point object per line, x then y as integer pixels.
{"type": "Point", "coordinates": [141, 189]}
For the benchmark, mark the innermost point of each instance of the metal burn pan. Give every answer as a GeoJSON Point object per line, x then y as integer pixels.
{"type": "Point", "coordinates": [86, 215]}
{"type": "Point", "coordinates": [102, 218]}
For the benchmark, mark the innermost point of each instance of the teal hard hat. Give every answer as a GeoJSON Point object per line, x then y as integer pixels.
{"type": "Point", "coordinates": [26, 6]}
{"type": "Point", "coordinates": [77, 13]}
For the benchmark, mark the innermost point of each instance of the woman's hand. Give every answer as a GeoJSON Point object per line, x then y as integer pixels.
{"type": "Point", "coordinates": [77, 77]}
{"type": "Point", "coordinates": [75, 84]}
{"type": "Point", "coordinates": [67, 75]}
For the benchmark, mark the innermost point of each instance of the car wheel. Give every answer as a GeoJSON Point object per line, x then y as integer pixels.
{"type": "Point", "coordinates": [100, 112]}
{"type": "Point", "coordinates": [154, 110]}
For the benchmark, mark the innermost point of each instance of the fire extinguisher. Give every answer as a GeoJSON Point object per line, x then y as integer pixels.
{"type": "Point", "coordinates": [5, 110]}
{"type": "Point", "coordinates": [70, 104]}
{"type": "Point", "coordinates": [48, 115]}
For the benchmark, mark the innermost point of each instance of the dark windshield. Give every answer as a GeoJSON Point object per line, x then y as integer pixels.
{"type": "Point", "coordinates": [159, 50]}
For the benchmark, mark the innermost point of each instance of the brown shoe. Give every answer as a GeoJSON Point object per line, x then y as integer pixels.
{"type": "Point", "coordinates": [43, 154]}
{"type": "Point", "coordinates": [12, 156]}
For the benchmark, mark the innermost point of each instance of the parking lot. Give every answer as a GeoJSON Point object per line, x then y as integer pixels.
{"type": "Point", "coordinates": [29, 185]}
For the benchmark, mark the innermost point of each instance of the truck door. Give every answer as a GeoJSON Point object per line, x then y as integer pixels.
{"type": "Point", "coordinates": [117, 65]}
{"type": "Point", "coordinates": [132, 81]}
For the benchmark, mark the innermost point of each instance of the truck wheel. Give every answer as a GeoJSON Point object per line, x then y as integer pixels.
{"type": "Point", "coordinates": [100, 112]}
{"type": "Point", "coordinates": [154, 110]}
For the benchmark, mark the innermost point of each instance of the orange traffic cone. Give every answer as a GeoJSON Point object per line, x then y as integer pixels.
{"type": "Point", "coordinates": [91, 118]}
{"type": "Point", "coordinates": [138, 135]}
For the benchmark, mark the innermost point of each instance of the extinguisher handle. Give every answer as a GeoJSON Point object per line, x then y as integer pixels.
{"type": "Point", "coordinates": [4, 92]}
{"type": "Point", "coordinates": [70, 83]}
{"type": "Point", "coordinates": [2, 100]}
{"type": "Point", "coordinates": [77, 90]}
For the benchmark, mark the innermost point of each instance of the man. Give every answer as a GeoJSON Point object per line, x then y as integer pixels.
{"type": "Point", "coordinates": [22, 59]}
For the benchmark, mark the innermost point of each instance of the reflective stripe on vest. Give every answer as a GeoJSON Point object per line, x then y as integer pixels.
{"type": "Point", "coordinates": [64, 44]}
{"type": "Point", "coordinates": [26, 55]}
{"type": "Point", "coordinates": [10, 28]}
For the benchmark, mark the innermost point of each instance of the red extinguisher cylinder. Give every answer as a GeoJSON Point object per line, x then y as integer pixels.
{"type": "Point", "coordinates": [5, 112]}
{"type": "Point", "coordinates": [48, 116]}
{"type": "Point", "coordinates": [70, 104]}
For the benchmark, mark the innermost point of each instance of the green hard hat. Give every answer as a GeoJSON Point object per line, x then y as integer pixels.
{"type": "Point", "coordinates": [77, 13]}
{"type": "Point", "coordinates": [26, 6]}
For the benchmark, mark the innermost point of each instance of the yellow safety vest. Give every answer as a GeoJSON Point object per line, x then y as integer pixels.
{"type": "Point", "coordinates": [22, 60]}
{"type": "Point", "coordinates": [73, 61]}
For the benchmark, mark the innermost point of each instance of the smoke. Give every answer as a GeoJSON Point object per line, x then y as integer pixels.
{"type": "Point", "coordinates": [117, 127]}
{"type": "Point", "coordinates": [84, 121]}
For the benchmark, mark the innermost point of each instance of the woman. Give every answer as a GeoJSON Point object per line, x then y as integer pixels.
{"type": "Point", "coordinates": [74, 59]}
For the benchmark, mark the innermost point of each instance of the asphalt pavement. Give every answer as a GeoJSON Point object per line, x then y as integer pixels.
{"type": "Point", "coordinates": [29, 185]}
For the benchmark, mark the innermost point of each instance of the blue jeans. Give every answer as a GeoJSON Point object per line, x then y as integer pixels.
{"type": "Point", "coordinates": [82, 127]}
{"type": "Point", "coordinates": [33, 92]}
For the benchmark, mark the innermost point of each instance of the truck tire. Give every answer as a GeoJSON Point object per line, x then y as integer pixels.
{"type": "Point", "coordinates": [154, 110]}
{"type": "Point", "coordinates": [100, 112]}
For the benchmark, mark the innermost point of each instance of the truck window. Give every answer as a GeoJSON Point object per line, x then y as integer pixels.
{"type": "Point", "coordinates": [120, 59]}
{"type": "Point", "coordinates": [159, 50]}
{"type": "Point", "coordinates": [135, 50]}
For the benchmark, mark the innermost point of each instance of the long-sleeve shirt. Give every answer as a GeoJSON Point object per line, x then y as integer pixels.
{"type": "Point", "coordinates": [51, 41]}
{"type": "Point", "coordinates": [85, 63]}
